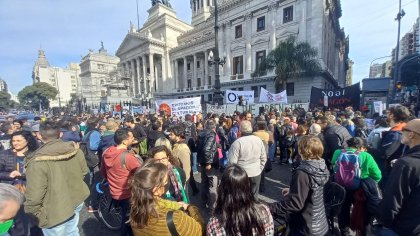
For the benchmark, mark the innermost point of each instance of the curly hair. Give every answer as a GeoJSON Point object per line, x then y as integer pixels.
{"type": "Point", "coordinates": [142, 184]}
{"type": "Point", "coordinates": [30, 139]}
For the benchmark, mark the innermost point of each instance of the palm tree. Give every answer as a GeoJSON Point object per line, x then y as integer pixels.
{"type": "Point", "coordinates": [290, 59]}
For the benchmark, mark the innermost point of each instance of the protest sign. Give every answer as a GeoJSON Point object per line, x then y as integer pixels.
{"type": "Point", "coordinates": [267, 97]}
{"type": "Point", "coordinates": [232, 96]}
{"type": "Point", "coordinates": [336, 98]}
{"type": "Point", "coordinates": [228, 109]}
{"type": "Point", "coordinates": [179, 107]}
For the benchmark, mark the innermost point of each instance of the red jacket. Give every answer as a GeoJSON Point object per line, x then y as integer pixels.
{"type": "Point", "coordinates": [116, 174]}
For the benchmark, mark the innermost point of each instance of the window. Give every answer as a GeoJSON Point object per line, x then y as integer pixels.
{"type": "Point", "coordinates": [238, 31]}
{"type": "Point", "coordinates": [287, 14]}
{"type": "Point", "coordinates": [188, 66]}
{"type": "Point", "coordinates": [198, 64]}
{"type": "Point", "coordinates": [198, 82]}
{"type": "Point", "coordinates": [241, 89]}
{"type": "Point", "coordinates": [210, 97]}
{"type": "Point", "coordinates": [233, 89]}
{"type": "Point", "coordinates": [189, 83]}
{"type": "Point", "coordinates": [255, 89]}
{"type": "Point", "coordinates": [238, 67]}
{"type": "Point", "coordinates": [209, 83]}
{"type": "Point", "coordinates": [260, 23]}
{"type": "Point", "coordinates": [259, 57]}
{"type": "Point", "coordinates": [290, 89]}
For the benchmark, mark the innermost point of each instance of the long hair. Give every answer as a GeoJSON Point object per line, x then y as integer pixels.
{"type": "Point", "coordinates": [143, 201]}
{"type": "Point", "coordinates": [236, 207]}
{"type": "Point", "coordinates": [30, 139]}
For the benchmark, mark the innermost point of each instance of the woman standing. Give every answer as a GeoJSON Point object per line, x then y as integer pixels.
{"type": "Point", "coordinates": [237, 212]}
{"type": "Point", "coordinates": [176, 176]}
{"type": "Point", "coordinates": [152, 215]}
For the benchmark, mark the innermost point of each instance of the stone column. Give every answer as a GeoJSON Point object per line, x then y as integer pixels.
{"type": "Point", "coordinates": [163, 78]}
{"type": "Point", "coordinates": [152, 73]}
{"type": "Point", "coordinates": [194, 77]}
{"type": "Point", "coordinates": [248, 56]}
{"type": "Point", "coordinates": [143, 58]}
{"type": "Point", "coordinates": [227, 67]}
{"type": "Point", "coordinates": [138, 75]}
{"type": "Point", "coordinates": [206, 68]}
{"type": "Point", "coordinates": [272, 20]}
{"type": "Point", "coordinates": [184, 79]}
{"type": "Point", "coordinates": [133, 77]}
{"type": "Point", "coordinates": [176, 75]}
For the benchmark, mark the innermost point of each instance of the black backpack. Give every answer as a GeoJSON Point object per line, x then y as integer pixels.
{"type": "Point", "coordinates": [91, 157]}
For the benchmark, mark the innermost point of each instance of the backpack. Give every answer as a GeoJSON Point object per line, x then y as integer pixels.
{"type": "Point", "coordinates": [348, 169]}
{"type": "Point", "coordinates": [233, 134]}
{"type": "Point", "coordinates": [124, 157]}
{"type": "Point", "coordinates": [91, 157]}
{"type": "Point", "coordinates": [361, 133]}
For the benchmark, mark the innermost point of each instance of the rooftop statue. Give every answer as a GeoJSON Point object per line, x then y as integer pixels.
{"type": "Point", "coordinates": [164, 2]}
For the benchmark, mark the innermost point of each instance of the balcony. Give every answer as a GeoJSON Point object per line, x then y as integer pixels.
{"type": "Point", "coordinates": [236, 77]}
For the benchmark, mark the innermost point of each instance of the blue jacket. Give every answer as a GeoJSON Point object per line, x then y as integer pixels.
{"type": "Point", "coordinates": [70, 136]}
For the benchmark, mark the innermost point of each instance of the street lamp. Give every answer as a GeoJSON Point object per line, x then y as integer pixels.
{"type": "Point", "coordinates": [216, 61]}
{"type": "Point", "coordinates": [400, 15]}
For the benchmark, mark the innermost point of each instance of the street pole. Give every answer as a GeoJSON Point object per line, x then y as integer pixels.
{"type": "Point", "coordinates": [397, 51]}
{"type": "Point", "coordinates": [217, 97]}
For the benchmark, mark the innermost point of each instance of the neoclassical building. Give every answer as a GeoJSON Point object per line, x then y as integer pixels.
{"type": "Point", "coordinates": [168, 58]}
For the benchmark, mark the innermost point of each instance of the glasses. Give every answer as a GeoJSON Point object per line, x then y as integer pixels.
{"type": "Point", "coordinates": [408, 130]}
{"type": "Point", "coordinates": [162, 159]}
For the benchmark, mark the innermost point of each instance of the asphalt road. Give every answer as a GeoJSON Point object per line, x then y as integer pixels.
{"type": "Point", "coordinates": [278, 178]}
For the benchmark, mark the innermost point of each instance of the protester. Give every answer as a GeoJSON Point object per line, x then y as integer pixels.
{"type": "Point", "coordinates": [303, 206]}
{"type": "Point", "coordinates": [152, 215]}
{"type": "Point", "coordinates": [250, 153]}
{"type": "Point", "coordinates": [399, 210]}
{"type": "Point", "coordinates": [368, 170]}
{"type": "Point", "coordinates": [107, 139]}
{"type": "Point", "coordinates": [118, 165]}
{"type": "Point", "coordinates": [237, 211]}
{"type": "Point", "coordinates": [176, 175]}
{"type": "Point", "coordinates": [180, 149]}
{"type": "Point", "coordinates": [154, 134]}
{"type": "Point", "coordinates": [10, 203]}
{"type": "Point", "coordinates": [54, 165]}
{"type": "Point", "coordinates": [139, 135]}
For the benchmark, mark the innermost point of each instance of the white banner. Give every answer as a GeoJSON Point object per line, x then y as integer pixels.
{"type": "Point", "coordinates": [232, 96]}
{"type": "Point", "coordinates": [266, 96]}
{"type": "Point", "coordinates": [179, 107]}
{"type": "Point", "coordinates": [378, 107]}
{"type": "Point", "coordinates": [228, 109]}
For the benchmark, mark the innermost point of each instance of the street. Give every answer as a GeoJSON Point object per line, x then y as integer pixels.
{"type": "Point", "coordinates": [277, 179]}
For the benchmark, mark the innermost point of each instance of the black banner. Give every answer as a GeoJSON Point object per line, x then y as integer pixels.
{"type": "Point", "coordinates": [337, 98]}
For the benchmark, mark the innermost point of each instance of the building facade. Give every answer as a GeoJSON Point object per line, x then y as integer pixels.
{"type": "Point", "coordinates": [3, 86]}
{"type": "Point", "coordinates": [65, 80]}
{"type": "Point", "coordinates": [178, 53]}
{"type": "Point", "coordinates": [97, 70]}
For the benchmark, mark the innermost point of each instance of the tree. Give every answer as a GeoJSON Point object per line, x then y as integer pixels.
{"type": "Point", "coordinates": [5, 102]}
{"type": "Point", "coordinates": [290, 59]}
{"type": "Point", "coordinates": [39, 93]}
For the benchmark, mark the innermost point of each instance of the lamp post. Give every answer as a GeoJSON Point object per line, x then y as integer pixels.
{"type": "Point", "coordinates": [216, 61]}
{"type": "Point", "coordinates": [370, 67]}
{"type": "Point", "coordinates": [400, 15]}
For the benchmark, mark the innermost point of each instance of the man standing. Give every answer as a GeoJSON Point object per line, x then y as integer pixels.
{"type": "Point", "coordinates": [55, 189]}
{"type": "Point", "coordinates": [180, 149]}
{"type": "Point", "coordinates": [139, 134]}
{"type": "Point", "coordinates": [206, 153]}
{"type": "Point", "coordinates": [399, 210]}
{"type": "Point", "coordinates": [249, 152]}
{"type": "Point", "coordinates": [117, 166]}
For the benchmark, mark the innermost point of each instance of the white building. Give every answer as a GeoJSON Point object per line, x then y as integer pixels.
{"type": "Point", "coordinates": [3, 86]}
{"type": "Point", "coordinates": [178, 52]}
{"type": "Point", "coordinates": [65, 80]}
{"type": "Point", "coordinates": [95, 73]}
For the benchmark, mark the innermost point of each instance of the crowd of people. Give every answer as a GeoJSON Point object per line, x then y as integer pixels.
{"type": "Point", "coordinates": [48, 169]}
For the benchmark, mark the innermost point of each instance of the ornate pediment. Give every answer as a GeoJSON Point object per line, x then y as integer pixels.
{"type": "Point", "coordinates": [130, 42]}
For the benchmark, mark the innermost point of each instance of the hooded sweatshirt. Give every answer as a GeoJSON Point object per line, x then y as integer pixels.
{"type": "Point", "coordinates": [304, 205]}
{"type": "Point", "coordinates": [55, 185]}
{"type": "Point", "coordinates": [116, 174]}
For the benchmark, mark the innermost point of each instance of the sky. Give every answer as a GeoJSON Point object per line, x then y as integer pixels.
{"type": "Point", "coordinates": [67, 29]}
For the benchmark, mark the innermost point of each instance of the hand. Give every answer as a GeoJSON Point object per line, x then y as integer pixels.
{"type": "Point", "coordinates": [285, 191]}
{"type": "Point", "coordinates": [208, 167]}
{"type": "Point", "coordinates": [393, 162]}
{"type": "Point", "coordinates": [14, 174]}
{"type": "Point", "coordinates": [183, 205]}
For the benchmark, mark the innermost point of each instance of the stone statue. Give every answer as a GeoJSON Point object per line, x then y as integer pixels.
{"type": "Point", "coordinates": [163, 2]}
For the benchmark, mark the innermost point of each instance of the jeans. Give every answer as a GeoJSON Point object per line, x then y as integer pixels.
{"type": "Point", "coordinates": [271, 152]}
{"type": "Point", "coordinates": [67, 228]}
{"type": "Point", "coordinates": [209, 182]}
{"type": "Point", "coordinates": [194, 162]}
{"type": "Point", "coordinates": [125, 210]}
{"type": "Point", "coordinates": [255, 185]}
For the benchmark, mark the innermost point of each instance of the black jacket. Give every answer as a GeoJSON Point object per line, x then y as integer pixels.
{"type": "Point", "coordinates": [206, 150]}
{"type": "Point", "coordinates": [304, 206]}
{"type": "Point", "coordinates": [400, 207]}
{"type": "Point", "coordinates": [335, 137]}
{"type": "Point", "coordinates": [8, 163]}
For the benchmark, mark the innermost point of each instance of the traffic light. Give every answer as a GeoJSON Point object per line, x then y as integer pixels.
{"type": "Point", "coordinates": [399, 86]}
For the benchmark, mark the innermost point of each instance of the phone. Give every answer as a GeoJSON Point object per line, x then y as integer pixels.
{"type": "Point", "coordinates": [22, 177]}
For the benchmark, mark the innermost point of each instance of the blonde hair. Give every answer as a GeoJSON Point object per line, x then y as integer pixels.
{"type": "Point", "coordinates": [310, 148]}
{"type": "Point", "coordinates": [163, 142]}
